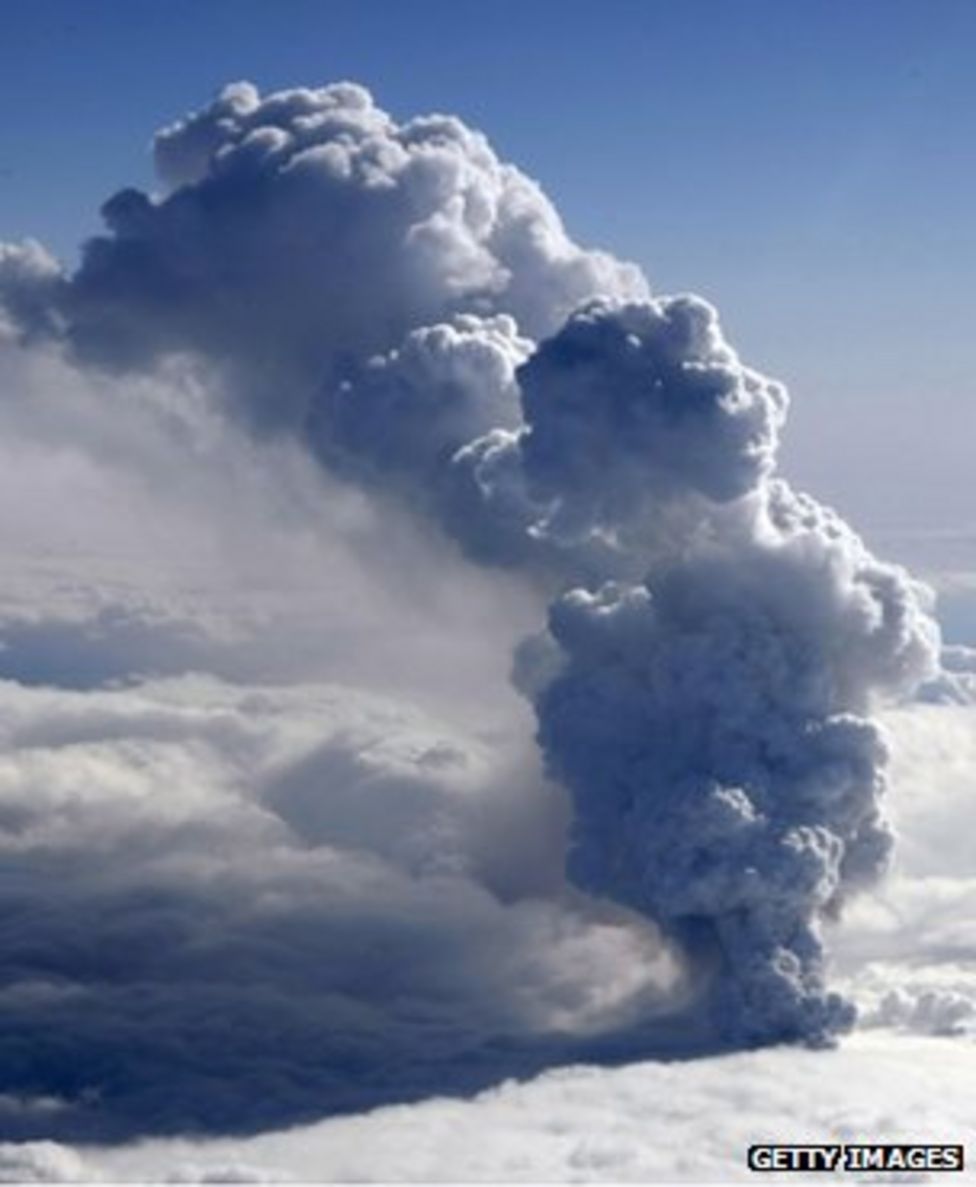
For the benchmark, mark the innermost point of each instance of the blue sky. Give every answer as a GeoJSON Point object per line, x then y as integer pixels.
{"type": "Point", "coordinates": [807, 165]}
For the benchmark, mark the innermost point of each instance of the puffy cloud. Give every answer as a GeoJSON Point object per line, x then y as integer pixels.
{"type": "Point", "coordinates": [711, 719]}
{"type": "Point", "coordinates": [925, 1011]}
{"type": "Point", "coordinates": [710, 727]}
{"type": "Point", "coordinates": [638, 421]}
{"type": "Point", "coordinates": [956, 680]}
{"type": "Point", "coordinates": [307, 228]}
{"type": "Point", "coordinates": [41, 1162]}
{"type": "Point", "coordinates": [906, 952]}
{"type": "Point", "coordinates": [399, 420]}
{"type": "Point", "coordinates": [30, 284]}
{"type": "Point", "coordinates": [251, 895]}
{"type": "Point", "coordinates": [631, 405]}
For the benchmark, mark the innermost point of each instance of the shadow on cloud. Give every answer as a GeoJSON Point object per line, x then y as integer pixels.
{"type": "Point", "coordinates": [213, 921]}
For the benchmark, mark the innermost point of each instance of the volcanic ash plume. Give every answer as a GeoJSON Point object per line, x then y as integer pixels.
{"type": "Point", "coordinates": [711, 721]}
{"type": "Point", "coordinates": [411, 309]}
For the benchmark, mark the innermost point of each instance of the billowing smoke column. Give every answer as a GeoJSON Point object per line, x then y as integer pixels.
{"type": "Point", "coordinates": [710, 723]}
{"type": "Point", "coordinates": [413, 310]}
{"type": "Point", "coordinates": [303, 232]}
{"type": "Point", "coordinates": [710, 720]}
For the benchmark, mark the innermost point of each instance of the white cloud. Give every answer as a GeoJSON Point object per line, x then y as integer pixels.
{"type": "Point", "coordinates": [649, 1122]}
{"type": "Point", "coordinates": [277, 841]}
{"type": "Point", "coordinates": [41, 1162]}
{"type": "Point", "coordinates": [304, 228]}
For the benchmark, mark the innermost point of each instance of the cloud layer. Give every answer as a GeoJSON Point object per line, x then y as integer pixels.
{"type": "Point", "coordinates": [906, 954]}
{"type": "Point", "coordinates": [649, 1122]}
{"type": "Point", "coordinates": [306, 445]}
{"type": "Point", "coordinates": [230, 907]}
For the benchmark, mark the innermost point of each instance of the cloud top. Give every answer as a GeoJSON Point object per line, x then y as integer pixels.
{"type": "Point", "coordinates": [307, 227]}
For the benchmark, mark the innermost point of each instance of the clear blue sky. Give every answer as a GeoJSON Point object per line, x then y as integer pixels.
{"type": "Point", "coordinates": [807, 164]}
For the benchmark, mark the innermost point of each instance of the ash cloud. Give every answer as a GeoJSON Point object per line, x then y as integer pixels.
{"type": "Point", "coordinates": [712, 724]}
{"type": "Point", "coordinates": [638, 418]}
{"type": "Point", "coordinates": [306, 229]}
{"type": "Point", "coordinates": [712, 719]}
{"type": "Point", "coordinates": [317, 280]}
{"type": "Point", "coordinates": [399, 418]}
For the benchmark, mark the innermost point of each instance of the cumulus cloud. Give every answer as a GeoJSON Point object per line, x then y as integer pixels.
{"type": "Point", "coordinates": [924, 1011]}
{"type": "Point", "coordinates": [30, 282]}
{"type": "Point", "coordinates": [956, 679]}
{"type": "Point", "coordinates": [308, 227]}
{"type": "Point", "coordinates": [628, 410]}
{"type": "Point", "coordinates": [312, 437]}
{"type": "Point", "coordinates": [400, 418]}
